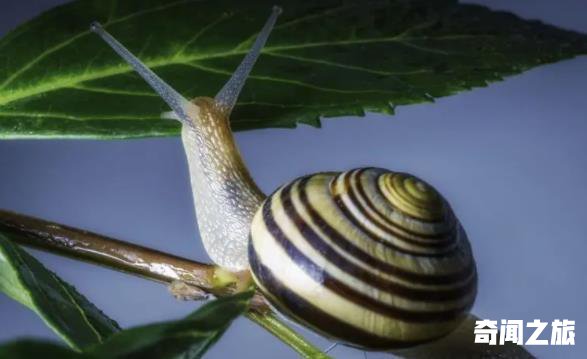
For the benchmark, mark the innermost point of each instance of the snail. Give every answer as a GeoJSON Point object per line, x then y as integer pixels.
{"type": "Point", "coordinates": [372, 258]}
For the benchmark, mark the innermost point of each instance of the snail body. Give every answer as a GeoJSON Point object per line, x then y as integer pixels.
{"type": "Point", "coordinates": [225, 196]}
{"type": "Point", "coordinates": [373, 258]}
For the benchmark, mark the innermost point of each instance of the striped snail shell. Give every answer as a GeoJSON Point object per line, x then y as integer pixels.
{"type": "Point", "coordinates": [373, 258]}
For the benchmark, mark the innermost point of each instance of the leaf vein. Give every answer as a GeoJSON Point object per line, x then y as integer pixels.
{"type": "Point", "coordinates": [286, 81]}
{"type": "Point", "coordinates": [344, 66]}
{"type": "Point", "coordinates": [111, 91]}
{"type": "Point", "coordinates": [74, 38]}
{"type": "Point", "coordinates": [84, 316]}
{"type": "Point", "coordinates": [202, 31]}
{"type": "Point", "coordinates": [64, 116]}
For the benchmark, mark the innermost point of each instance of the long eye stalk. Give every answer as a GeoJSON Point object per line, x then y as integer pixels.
{"type": "Point", "coordinates": [228, 95]}
{"type": "Point", "coordinates": [176, 101]}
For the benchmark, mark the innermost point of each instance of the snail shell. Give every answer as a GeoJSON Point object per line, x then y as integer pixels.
{"type": "Point", "coordinates": [372, 258]}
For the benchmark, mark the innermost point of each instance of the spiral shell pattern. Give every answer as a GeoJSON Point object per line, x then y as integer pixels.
{"type": "Point", "coordinates": [371, 258]}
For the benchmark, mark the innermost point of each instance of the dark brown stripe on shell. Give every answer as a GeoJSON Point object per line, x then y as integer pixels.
{"type": "Point", "coordinates": [436, 240]}
{"type": "Point", "coordinates": [386, 285]}
{"type": "Point", "coordinates": [319, 275]}
{"type": "Point", "coordinates": [383, 171]}
{"type": "Point", "coordinates": [298, 308]}
{"type": "Point", "coordinates": [386, 242]}
{"type": "Point", "coordinates": [352, 197]}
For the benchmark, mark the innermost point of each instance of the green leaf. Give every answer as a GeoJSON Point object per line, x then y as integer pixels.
{"type": "Point", "coordinates": [33, 349]}
{"type": "Point", "coordinates": [63, 309]}
{"type": "Point", "coordinates": [325, 58]}
{"type": "Point", "coordinates": [188, 338]}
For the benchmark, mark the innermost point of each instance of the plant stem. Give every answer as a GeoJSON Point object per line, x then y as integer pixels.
{"type": "Point", "coordinates": [108, 252]}
{"type": "Point", "coordinates": [147, 263]}
{"type": "Point", "coordinates": [287, 335]}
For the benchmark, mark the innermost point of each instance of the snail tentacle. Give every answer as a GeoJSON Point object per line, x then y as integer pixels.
{"type": "Point", "coordinates": [174, 99]}
{"type": "Point", "coordinates": [228, 95]}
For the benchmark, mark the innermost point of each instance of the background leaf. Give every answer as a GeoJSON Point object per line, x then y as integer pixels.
{"type": "Point", "coordinates": [326, 58]}
{"type": "Point", "coordinates": [33, 349]}
{"type": "Point", "coordinates": [62, 308]}
{"type": "Point", "coordinates": [188, 338]}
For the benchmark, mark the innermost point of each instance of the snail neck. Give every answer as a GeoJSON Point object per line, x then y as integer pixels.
{"type": "Point", "coordinates": [225, 195]}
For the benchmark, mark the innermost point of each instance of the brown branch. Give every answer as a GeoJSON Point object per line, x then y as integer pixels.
{"type": "Point", "coordinates": [150, 264]}
{"type": "Point", "coordinates": [118, 255]}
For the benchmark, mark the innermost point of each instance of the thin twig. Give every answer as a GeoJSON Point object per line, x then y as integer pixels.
{"type": "Point", "coordinates": [111, 253]}
{"type": "Point", "coordinates": [148, 263]}
{"type": "Point", "coordinates": [280, 330]}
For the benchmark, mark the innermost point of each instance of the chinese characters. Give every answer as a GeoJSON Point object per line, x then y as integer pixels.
{"type": "Point", "coordinates": [562, 332]}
